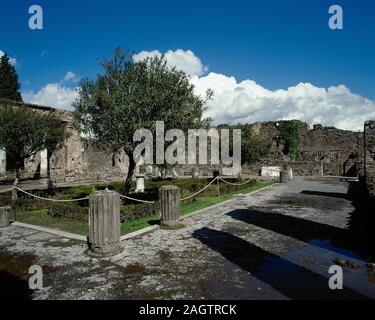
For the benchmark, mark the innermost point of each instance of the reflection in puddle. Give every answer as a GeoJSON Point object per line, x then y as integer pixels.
{"type": "Point", "coordinates": [326, 244]}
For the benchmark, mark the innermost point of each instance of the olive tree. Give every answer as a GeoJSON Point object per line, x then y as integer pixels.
{"type": "Point", "coordinates": [133, 95]}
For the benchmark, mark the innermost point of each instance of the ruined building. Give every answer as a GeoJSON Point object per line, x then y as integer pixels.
{"type": "Point", "coordinates": [73, 161]}
{"type": "Point", "coordinates": [322, 151]}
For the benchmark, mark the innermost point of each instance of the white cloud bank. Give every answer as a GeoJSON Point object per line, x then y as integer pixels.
{"type": "Point", "coordinates": [54, 95]}
{"type": "Point", "coordinates": [245, 101]}
{"type": "Point", "coordinates": [248, 102]}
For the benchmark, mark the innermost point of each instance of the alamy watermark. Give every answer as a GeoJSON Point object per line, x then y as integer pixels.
{"type": "Point", "coordinates": [36, 19]}
{"type": "Point", "coordinates": [183, 150]}
{"type": "Point", "coordinates": [336, 281]}
{"type": "Point", "coordinates": [336, 21]}
{"type": "Point", "coordinates": [36, 280]}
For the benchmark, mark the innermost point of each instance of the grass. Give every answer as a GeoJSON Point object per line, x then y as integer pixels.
{"type": "Point", "coordinates": [41, 217]}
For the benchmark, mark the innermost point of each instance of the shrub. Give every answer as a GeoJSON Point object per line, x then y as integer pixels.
{"type": "Point", "coordinates": [135, 211]}
{"type": "Point", "coordinates": [68, 210]}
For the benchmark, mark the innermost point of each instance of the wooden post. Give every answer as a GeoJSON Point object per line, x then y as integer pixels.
{"type": "Point", "coordinates": [104, 223]}
{"type": "Point", "coordinates": [169, 197]}
{"type": "Point", "coordinates": [4, 217]}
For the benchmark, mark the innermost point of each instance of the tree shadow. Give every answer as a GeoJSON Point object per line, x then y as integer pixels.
{"type": "Point", "coordinates": [291, 280]}
{"type": "Point", "coordinates": [327, 194]}
{"type": "Point", "coordinates": [353, 241]}
{"type": "Point", "coordinates": [340, 240]}
{"type": "Point", "coordinates": [13, 288]}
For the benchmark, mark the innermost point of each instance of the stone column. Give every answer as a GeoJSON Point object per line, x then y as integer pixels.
{"type": "Point", "coordinates": [4, 217]}
{"type": "Point", "coordinates": [284, 177]}
{"type": "Point", "coordinates": [44, 164]}
{"type": "Point", "coordinates": [169, 197]}
{"type": "Point", "coordinates": [104, 223]}
{"type": "Point", "coordinates": [3, 162]}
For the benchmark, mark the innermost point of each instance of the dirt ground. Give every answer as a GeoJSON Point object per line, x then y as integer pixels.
{"type": "Point", "coordinates": [275, 244]}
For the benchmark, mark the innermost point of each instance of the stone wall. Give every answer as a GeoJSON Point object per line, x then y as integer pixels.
{"type": "Point", "coordinates": [336, 151]}
{"type": "Point", "coordinates": [369, 159]}
{"type": "Point", "coordinates": [72, 161]}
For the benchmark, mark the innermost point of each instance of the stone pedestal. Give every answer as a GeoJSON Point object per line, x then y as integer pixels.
{"type": "Point", "coordinates": [169, 197]}
{"type": "Point", "coordinates": [3, 162]}
{"type": "Point", "coordinates": [104, 223]}
{"type": "Point", "coordinates": [4, 217]}
{"type": "Point", "coordinates": [284, 177]}
{"type": "Point", "coordinates": [140, 183]}
{"type": "Point", "coordinates": [290, 172]}
{"type": "Point", "coordinates": [44, 164]}
{"type": "Point", "coordinates": [195, 173]}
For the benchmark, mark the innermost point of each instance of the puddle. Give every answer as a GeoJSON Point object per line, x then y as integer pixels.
{"type": "Point", "coordinates": [326, 244]}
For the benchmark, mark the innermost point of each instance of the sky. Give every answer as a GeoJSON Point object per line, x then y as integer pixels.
{"type": "Point", "coordinates": [265, 60]}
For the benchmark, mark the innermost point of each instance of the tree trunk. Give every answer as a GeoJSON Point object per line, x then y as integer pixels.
{"type": "Point", "coordinates": [15, 184]}
{"type": "Point", "coordinates": [128, 180]}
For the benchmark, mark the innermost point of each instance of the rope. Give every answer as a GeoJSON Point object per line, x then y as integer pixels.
{"type": "Point", "coordinates": [133, 199]}
{"type": "Point", "coordinates": [236, 184]}
{"type": "Point", "coordinates": [49, 199]}
{"type": "Point", "coordinates": [266, 181]}
{"type": "Point", "coordinates": [143, 201]}
{"type": "Point", "coordinates": [5, 191]}
{"type": "Point", "coordinates": [193, 195]}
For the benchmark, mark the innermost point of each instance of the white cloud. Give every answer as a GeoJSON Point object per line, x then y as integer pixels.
{"type": "Point", "coordinates": [248, 102]}
{"type": "Point", "coordinates": [13, 61]}
{"type": "Point", "coordinates": [54, 95]}
{"type": "Point", "coordinates": [183, 60]}
{"type": "Point", "coordinates": [70, 76]}
{"type": "Point", "coordinates": [244, 101]}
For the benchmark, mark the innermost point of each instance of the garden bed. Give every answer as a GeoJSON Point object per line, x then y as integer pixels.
{"type": "Point", "coordinates": [73, 217]}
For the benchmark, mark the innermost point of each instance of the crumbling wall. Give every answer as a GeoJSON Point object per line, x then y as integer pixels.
{"type": "Point", "coordinates": [369, 156]}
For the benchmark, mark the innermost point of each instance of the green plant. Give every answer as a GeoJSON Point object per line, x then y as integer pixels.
{"type": "Point", "coordinates": [134, 95]}
{"type": "Point", "coordinates": [68, 210]}
{"type": "Point", "coordinates": [9, 84]}
{"type": "Point", "coordinates": [289, 133]}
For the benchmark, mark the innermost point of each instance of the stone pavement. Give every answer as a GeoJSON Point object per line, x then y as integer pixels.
{"type": "Point", "coordinates": [276, 244]}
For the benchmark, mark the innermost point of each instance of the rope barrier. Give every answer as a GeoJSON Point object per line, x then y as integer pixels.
{"type": "Point", "coordinates": [129, 198]}
{"type": "Point", "coordinates": [49, 199]}
{"type": "Point", "coordinates": [193, 195]}
{"type": "Point", "coordinates": [133, 199]}
{"type": "Point", "coordinates": [237, 184]}
{"type": "Point", "coordinates": [260, 181]}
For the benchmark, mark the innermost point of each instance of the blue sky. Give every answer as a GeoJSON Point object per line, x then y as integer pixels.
{"type": "Point", "coordinates": [278, 44]}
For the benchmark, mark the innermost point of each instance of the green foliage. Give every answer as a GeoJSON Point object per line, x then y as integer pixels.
{"type": "Point", "coordinates": [134, 95]}
{"type": "Point", "coordinates": [9, 85]}
{"type": "Point", "coordinates": [253, 146]}
{"type": "Point", "coordinates": [289, 133]}
{"type": "Point", "coordinates": [68, 210]}
{"type": "Point", "coordinates": [24, 131]}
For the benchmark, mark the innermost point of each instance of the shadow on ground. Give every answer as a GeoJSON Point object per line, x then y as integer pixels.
{"type": "Point", "coordinates": [293, 281]}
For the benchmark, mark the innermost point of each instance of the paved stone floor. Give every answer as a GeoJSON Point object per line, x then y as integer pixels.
{"type": "Point", "coordinates": [275, 244]}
